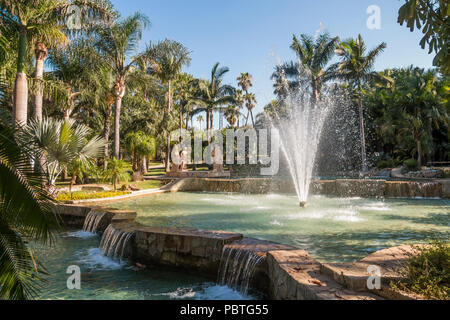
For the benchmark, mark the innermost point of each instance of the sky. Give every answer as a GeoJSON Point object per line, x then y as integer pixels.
{"type": "Point", "coordinates": [254, 35]}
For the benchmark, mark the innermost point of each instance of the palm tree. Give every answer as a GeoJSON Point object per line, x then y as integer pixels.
{"type": "Point", "coordinates": [356, 67]}
{"type": "Point", "coordinates": [116, 44]}
{"type": "Point", "coordinates": [101, 97]}
{"type": "Point", "coordinates": [419, 104]}
{"type": "Point", "coordinates": [232, 114]}
{"type": "Point", "coordinates": [117, 172]}
{"type": "Point", "coordinates": [61, 143]}
{"type": "Point", "coordinates": [245, 82]}
{"type": "Point", "coordinates": [185, 92]}
{"type": "Point", "coordinates": [165, 60]}
{"type": "Point", "coordinates": [314, 56]}
{"type": "Point", "coordinates": [72, 68]}
{"type": "Point", "coordinates": [25, 214]}
{"type": "Point", "coordinates": [42, 22]}
{"type": "Point", "coordinates": [250, 101]}
{"type": "Point", "coordinates": [213, 94]}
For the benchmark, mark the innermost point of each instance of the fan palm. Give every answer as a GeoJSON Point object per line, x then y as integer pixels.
{"type": "Point", "coordinates": [61, 143]}
{"type": "Point", "coordinates": [42, 23]}
{"type": "Point", "coordinates": [245, 82]}
{"type": "Point", "coordinates": [25, 213]}
{"type": "Point", "coordinates": [165, 60]}
{"type": "Point", "coordinates": [356, 67]}
{"type": "Point", "coordinates": [232, 115]}
{"type": "Point", "coordinates": [116, 44]}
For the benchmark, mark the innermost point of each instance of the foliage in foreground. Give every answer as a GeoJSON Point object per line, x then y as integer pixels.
{"type": "Point", "coordinates": [82, 195]}
{"type": "Point", "coordinates": [25, 214]}
{"type": "Point", "coordinates": [428, 272]}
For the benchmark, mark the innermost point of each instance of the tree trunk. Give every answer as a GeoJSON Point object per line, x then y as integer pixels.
{"type": "Point", "coordinates": [40, 51]}
{"type": "Point", "coordinates": [211, 119]}
{"type": "Point", "coordinates": [20, 107]}
{"type": "Point", "coordinates": [144, 165]}
{"type": "Point", "coordinates": [106, 132]}
{"type": "Point", "coordinates": [117, 127]}
{"type": "Point", "coordinates": [72, 182]}
{"type": "Point", "coordinates": [169, 110]}
{"type": "Point", "coordinates": [419, 152]}
{"type": "Point", "coordinates": [119, 89]}
{"type": "Point", "coordinates": [362, 131]}
{"type": "Point", "coordinates": [246, 118]}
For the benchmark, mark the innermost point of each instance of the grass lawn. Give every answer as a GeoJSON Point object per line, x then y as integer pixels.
{"type": "Point", "coordinates": [149, 184]}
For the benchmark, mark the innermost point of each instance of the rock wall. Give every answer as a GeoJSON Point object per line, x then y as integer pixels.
{"type": "Point", "coordinates": [340, 187]}
{"type": "Point", "coordinates": [181, 247]}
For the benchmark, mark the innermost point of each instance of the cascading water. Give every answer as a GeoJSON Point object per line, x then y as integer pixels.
{"type": "Point", "coordinates": [237, 267]}
{"type": "Point", "coordinates": [92, 221]}
{"type": "Point", "coordinates": [114, 242]}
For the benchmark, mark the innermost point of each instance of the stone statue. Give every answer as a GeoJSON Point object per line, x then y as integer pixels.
{"type": "Point", "coordinates": [184, 160]}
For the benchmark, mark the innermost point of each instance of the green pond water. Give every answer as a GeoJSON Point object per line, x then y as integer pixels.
{"type": "Point", "coordinates": [105, 279]}
{"type": "Point", "coordinates": [331, 229]}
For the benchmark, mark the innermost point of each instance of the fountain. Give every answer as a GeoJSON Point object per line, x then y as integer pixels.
{"type": "Point", "coordinates": [237, 267]}
{"type": "Point", "coordinates": [300, 131]}
{"type": "Point", "coordinates": [114, 242]}
{"type": "Point", "coordinates": [92, 221]}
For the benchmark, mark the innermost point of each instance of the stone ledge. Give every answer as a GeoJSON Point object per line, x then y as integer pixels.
{"type": "Point", "coordinates": [74, 216]}
{"type": "Point", "coordinates": [354, 275]}
{"type": "Point", "coordinates": [182, 247]}
{"type": "Point", "coordinates": [295, 275]}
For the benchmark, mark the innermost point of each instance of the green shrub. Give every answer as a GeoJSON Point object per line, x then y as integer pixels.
{"type": "Point", "coordinates": [428, 272]}
{"type": "Point", "coordinates": [82, 195]}
{"type": "Point", "coordinates": [389, 163]}
{"type": "Point", "coordinates": [411, 164]}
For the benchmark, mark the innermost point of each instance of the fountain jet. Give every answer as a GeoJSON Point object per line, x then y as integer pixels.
{"type": "Point", "coordinates": [299, 122]}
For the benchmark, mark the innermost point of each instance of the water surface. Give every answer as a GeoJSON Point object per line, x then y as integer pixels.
{"type": "Point", "coordinates": [331, 229]}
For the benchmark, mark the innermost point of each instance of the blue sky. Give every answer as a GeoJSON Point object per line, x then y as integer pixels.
{"type": "Point", "coordinates": [252, 35]}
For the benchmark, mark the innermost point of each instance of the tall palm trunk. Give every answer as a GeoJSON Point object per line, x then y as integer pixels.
{"type": "Point", "coordinates": [419, 154]}
{"type": "Point", "coordinates": [119, 90]}
{"type": "Point", "coordinates": [20, 108]}
{"type": "Point", "coordinates": [315, 93]}
{"type": "Point", "coordinates": [362, 130]}
{"type": "Point", "coordinates": [169, 110]}
{"type": "Point", "coordinates": [418, 137]}
{"type": "Point", "coordinates": [40, 51]}
{"type": "Point", "coordinates": [106, 133]}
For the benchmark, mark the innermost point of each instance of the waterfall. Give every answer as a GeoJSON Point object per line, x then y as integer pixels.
{"type": "Point", "coordinates": [237, 267]}
{"type": "Point", "coordinates": [114, 242]}
{"type": "Point", "coordinates": [92, 221]}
